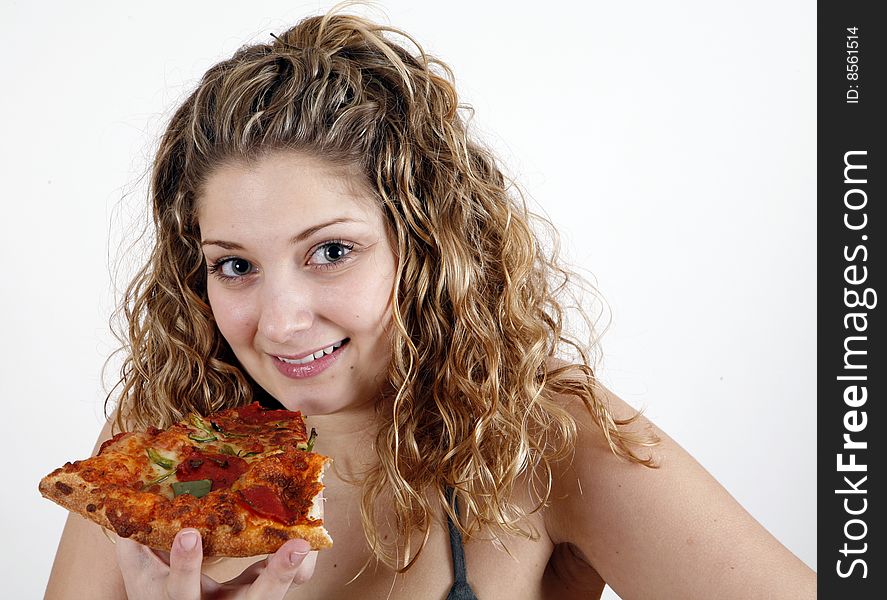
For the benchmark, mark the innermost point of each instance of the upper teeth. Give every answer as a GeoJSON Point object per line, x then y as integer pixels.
{"type": "Point", "coordinates": [311, 357]}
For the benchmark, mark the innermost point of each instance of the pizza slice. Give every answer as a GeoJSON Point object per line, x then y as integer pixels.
{"type": "Point", "coordinates": [245, 477]}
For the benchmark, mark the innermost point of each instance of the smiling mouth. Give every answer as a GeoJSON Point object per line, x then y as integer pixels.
{"type": "Point", "coordinates": [312, 357]}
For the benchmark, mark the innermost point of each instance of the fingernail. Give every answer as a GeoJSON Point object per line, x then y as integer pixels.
{"type": "Point", "coordinates": [188, 540]}
{"type": "Point", "coordinates": [297, 554]}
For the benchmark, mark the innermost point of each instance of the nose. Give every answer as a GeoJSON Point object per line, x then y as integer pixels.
{"type": "Point", "coordinates": [285, 312]}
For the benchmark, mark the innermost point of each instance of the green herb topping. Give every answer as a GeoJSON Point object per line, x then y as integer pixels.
{"type": "Point", "coordinates": [198, 488]}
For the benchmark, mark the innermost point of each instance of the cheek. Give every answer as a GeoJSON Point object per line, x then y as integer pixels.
{"type": "Point", "coordinates": [233, 314]}
{"type": "Point", "coordinates": [372, 308]}
{"type": "Point", "coordinates": [375, 305]}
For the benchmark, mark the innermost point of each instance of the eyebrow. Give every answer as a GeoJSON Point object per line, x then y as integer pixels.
{"type": "Point", "coordinates": [294, 240]}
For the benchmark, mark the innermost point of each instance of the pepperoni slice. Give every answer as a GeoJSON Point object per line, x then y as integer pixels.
{"type": "Point", "coordinates": [256, 415]}
{"type": "Point", "coordinates": [221, 469]}
{"type": "Point", "coordinates": [265, 502]}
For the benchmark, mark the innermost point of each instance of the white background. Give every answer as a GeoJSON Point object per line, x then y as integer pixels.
{"type": "Point", "coordinates": [673, 143]}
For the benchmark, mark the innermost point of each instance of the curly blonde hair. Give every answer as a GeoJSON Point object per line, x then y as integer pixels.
{"type": "Point", "coordinates": [477, 305]}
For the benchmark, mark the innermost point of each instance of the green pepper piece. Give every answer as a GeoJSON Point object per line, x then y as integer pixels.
{"type": "Point", "coordinates": [309, 445]}
{"type": "Point", "coordinates": [198, 422]}
{"type": "Point", "coordinates": [198, 488]}
{"type": "Point", "coordinates": [159, 460]}
{"type": "Point", "coordinates": [226, 449]}
{"type": "Point", "coordinates": [208, 435]}
{"type": "Point", "coordinates": [311, 439]}
{"type": "Point", "coordinates": [160, 479]}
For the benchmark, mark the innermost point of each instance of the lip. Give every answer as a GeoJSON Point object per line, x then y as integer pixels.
{"type": "Point", "coordinates": [315, 367]}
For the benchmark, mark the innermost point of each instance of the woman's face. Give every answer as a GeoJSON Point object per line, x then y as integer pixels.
{"type": "Point", "coordinates": [300, 275]}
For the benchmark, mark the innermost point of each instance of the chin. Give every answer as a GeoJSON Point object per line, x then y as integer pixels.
{"type": "Point", "coordinates": [309, 407]}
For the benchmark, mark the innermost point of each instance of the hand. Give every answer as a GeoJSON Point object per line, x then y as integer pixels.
{"type": "Point", "coordinates": [148, 577]}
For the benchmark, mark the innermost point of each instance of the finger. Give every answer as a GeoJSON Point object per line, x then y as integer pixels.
{"type": "Point", "coordinates": [248, 575]}
{"type": "Point", "coordinates": [208, 585]}
{"type": "Point", "coordinates": [204, 579]}
{"type": "Point", "coordinates": [141, 569]}
{"type": "Point", "coordinates": [185, 559]}
{"type": "Point", "coordinates": [293, 563]}
{"type": "Point", "coordinates": [163, 556]}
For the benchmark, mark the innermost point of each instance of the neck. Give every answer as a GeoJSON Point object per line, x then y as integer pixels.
{"type": "Point", "coordinates": [348, 437]}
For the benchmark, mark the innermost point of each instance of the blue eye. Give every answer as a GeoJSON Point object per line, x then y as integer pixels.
{"type": "Point", "coordinates": [328, 254]}
{"type": "Point", "coordinates": [230, 268]}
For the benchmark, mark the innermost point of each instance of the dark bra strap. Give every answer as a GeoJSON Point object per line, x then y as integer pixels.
{"type": "Point", "coordinates": [456, 542]}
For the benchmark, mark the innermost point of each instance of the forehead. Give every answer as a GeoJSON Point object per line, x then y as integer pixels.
{"type": "Point", "coordinates": [284, 187]}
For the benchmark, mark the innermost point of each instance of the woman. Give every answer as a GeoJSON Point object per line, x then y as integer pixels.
{"type": "Point", "coordinates": [320, 193]}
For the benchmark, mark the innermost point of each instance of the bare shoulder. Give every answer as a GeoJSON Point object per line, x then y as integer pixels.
{"type": "Point", "coordinates": [85, 565]}
{"type": "Point", "coordinates": [667, 532]}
